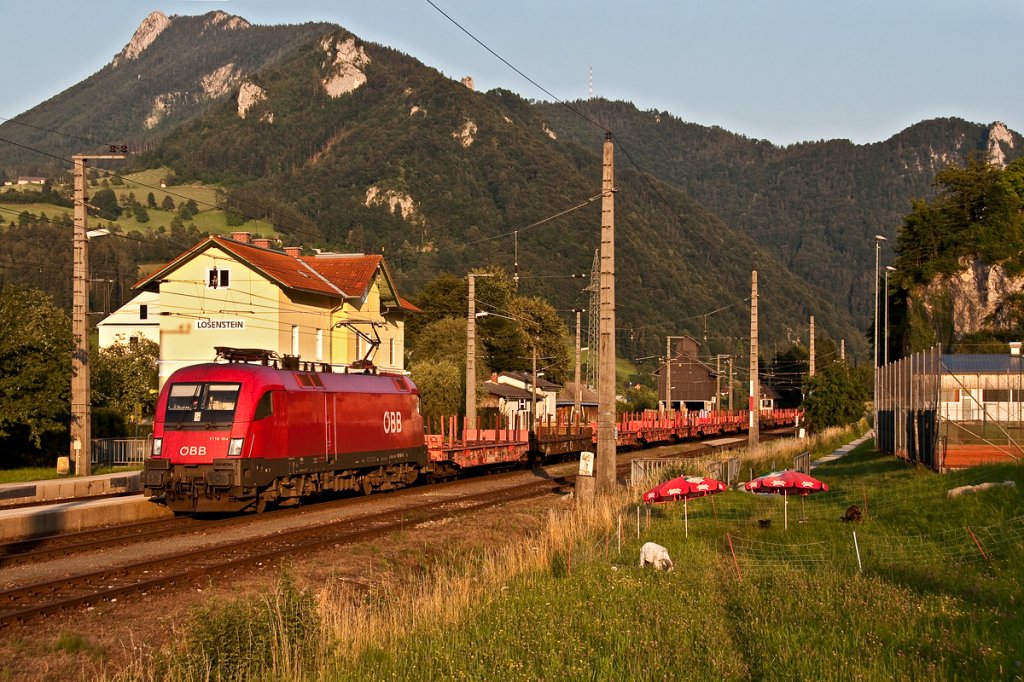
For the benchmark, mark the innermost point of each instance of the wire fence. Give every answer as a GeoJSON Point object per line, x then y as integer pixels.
{"type": "Point", "coordinates": [869, 550]}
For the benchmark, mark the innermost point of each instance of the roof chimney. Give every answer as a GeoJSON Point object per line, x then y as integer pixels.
{"type": "Point", "coordinates": [261, 242]}
{"type": "Point", "coordinates": [1015, 347]}
{"type": "Point", "coordinates": [242, 237]}
{"type": "Point", "coordinates": [293, 251]}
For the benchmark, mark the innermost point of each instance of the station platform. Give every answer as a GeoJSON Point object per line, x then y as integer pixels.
{"type": "Point", "coordinates": [68, 488]}
{"type": "Point", "coordinates": [71, 504]}
{"type": "Point", "coordinates": [67, 517]}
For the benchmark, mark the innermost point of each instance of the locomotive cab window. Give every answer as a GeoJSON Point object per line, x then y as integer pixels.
{"type": "Point", "coordinates": [265, 406]}
{"type": "Point", "coordinates": [205, 405]}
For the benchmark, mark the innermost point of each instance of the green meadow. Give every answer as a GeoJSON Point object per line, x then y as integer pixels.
{"type": "Point", "coordinates": [923, 587]}
{"type": "Point", "coordinates": [209, 218]}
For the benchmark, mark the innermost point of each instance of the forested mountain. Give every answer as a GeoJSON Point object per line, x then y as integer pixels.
{"type": "Point", "coordinates": [350, 145]}
{"type": "Point", "coordinates": [169, 72]}
{"type": "Point", "coordinates": [816, 205]}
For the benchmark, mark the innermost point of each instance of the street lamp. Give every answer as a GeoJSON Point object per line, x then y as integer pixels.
{"type": "Point", "coordinates": [885, 354]}
{"type": "Point", "coordinates": [874, 369]}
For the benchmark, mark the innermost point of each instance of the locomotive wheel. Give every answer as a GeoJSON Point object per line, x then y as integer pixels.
{"type": "Point", "coordinates": [261, 504]}
{"type": "Point", "coordinates": [367, 486]}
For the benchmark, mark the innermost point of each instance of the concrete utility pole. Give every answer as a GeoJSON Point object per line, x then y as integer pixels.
{"type": "Point", "coordinates": [81, 408]}
{"type": "Point", "coordinates": [533, 392]}
{"type": "Point", "coordinates": [471, 351]}
{"type": "Point", "coordinates": [604, 463]}
{"type": "Point", "coordinates": [754, 434]}
{"type": "Point", "coordinates": [812, 348]}
{"type": "Point", "coordinates": [668, 370]}
{"type": "Point", "coordinates": [842, 349]}
{"type": "Point", "coordinates": [732, 405]}
{"type": "Point", "coordinates": [606, 389]}
{"type": "Point", "coordinates": [668, 374]}
{"type": "Point", "coordinates": [718, 383]}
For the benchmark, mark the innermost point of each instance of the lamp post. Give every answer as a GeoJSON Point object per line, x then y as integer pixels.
{"type": "Point", "coordinates": [874, 367]}
{"type": "Point", "coordinates": [885, 353]}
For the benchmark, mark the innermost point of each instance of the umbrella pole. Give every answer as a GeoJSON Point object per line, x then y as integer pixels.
{"type": "Point", "coordinates": [785, 511]}
{"type": "Point", "coordinates": [686, 518]}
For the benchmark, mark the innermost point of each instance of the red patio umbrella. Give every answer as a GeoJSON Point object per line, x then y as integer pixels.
{"type": "Point", "coordinates": [684, 488]}
{"type": "Point", "coordinates": [786, 482]}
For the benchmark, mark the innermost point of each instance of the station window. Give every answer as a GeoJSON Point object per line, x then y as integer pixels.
{"type": "Point", "coordinates": [295, 340]}
{"type": "Point", "coordinates": [218, 278]}
{"type": "Point", "coordinates": [143, 312]}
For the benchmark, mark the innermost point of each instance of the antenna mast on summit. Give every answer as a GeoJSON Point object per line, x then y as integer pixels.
{"type": "Point", "coordinates": [590, 84]}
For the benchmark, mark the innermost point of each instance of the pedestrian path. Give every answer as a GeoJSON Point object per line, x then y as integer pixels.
{"type": "Point", "coordinates": [839, 452]}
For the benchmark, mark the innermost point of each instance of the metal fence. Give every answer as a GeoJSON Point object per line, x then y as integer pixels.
{"type": "Point", "coordinates": [951, 411]}
{"type": "Point", "coordinates": [114, 452]}
{"type": "Point", "coordinates": [645, 471]}
{"type": "Point", "coordinates": [907, 405]}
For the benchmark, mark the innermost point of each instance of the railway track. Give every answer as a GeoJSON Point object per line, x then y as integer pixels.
{"type": "Point", "coordinates": [72, 591]}
{"type": "Point", "coordinates": [168, 570]}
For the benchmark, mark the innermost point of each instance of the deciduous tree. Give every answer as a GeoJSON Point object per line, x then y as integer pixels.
{"type": "Point", "coordinates": [125, 375]}
{"type": "Point", "coordinates": [835, 397]}
{"type": "Point", "coordinates": [35, 364]}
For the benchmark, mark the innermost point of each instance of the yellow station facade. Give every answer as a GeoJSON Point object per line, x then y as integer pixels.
{"type": "Point", "coordinates": [327, 308]}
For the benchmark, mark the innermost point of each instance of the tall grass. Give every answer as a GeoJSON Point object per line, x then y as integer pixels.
{"type": "Point", "coordinates": [744, 602]}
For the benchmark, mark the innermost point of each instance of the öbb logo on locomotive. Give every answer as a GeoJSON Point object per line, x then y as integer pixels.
{"type": "Point", "coordinates": [392, 422]}
{"type": "Point", "coordinates": [192, 450]}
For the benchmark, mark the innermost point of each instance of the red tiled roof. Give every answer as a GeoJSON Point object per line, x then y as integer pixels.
{"type": "Point", "coordinates": [353, 274]}
{"type": "Point", "coordinates": [282, 268]}
{"type": "Point", "coordinates": [338, 275]}
{"type": "Point", "coordinates": [408, 305]}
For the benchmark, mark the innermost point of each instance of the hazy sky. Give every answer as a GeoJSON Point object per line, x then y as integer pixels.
{"type": "Point", "coordinates": [787, 70]}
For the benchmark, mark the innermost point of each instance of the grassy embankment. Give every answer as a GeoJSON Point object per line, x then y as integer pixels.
{"type": "Point", "coordinates": [568, 603]}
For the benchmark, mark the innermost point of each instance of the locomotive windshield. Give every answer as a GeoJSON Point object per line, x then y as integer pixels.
{"type": "Point", "coordinates": [206, 405]}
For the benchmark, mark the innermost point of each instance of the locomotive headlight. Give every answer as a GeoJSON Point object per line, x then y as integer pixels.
{"type": "Point", "coordinates": [158, 446]}
{"type": "Point", "coordinates": [235, 447]}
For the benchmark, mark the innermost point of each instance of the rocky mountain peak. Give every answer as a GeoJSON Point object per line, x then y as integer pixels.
{"type": "Point", "coordinates": [1000, 139]}
{"type": "Point", "coordinates": [225, 21]}
{"type": "Point", "coordinates": [152, 26]}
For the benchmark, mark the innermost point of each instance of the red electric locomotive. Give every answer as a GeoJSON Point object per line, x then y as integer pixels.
{"type": "Point", "coordinates": [255, 431]}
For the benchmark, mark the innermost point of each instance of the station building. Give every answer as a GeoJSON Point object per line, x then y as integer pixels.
{"type": "Point", "coordinates": [329, 308]}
